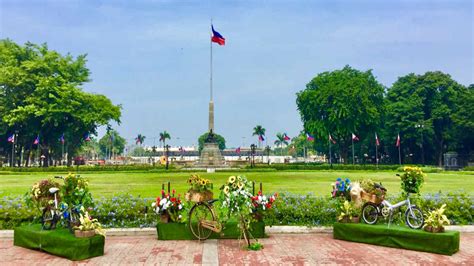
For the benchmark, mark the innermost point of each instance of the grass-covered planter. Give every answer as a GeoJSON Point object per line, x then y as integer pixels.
{"type": "Point", "coordinates": [446, 243]}
{"type": "Point", "coordinates": [59, 242]}
{"type": "Point", "coordinates": [181, 231]}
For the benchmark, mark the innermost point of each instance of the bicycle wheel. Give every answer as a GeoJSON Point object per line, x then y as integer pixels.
{"type": "Point", "coordinates": [370, 213]}
{"type": "Point", "coordinates": [48, 219]}
{"type": "Point", "coordinates": [414, 217]}
{"type": "Point", "coordinates": [73, 220]}
{"type": "Point", "coordinates": [200, 212]}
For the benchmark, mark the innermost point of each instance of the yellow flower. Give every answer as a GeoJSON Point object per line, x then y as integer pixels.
{"type": "Point", "coordinates": [232, 179]}
{"type": "Point", "coordinates": [203, 182]}
{"type": "Point", "coordinates": [240, 185]}
{"type": "Point", "coordinates": [226, 189]}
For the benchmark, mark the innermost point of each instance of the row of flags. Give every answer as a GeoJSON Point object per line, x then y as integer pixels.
{"type": "Point", "coordinates": [36, 141]}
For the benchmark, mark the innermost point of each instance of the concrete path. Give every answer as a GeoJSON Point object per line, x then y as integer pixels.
{"type": "Point", "coordinates": [280, 249]}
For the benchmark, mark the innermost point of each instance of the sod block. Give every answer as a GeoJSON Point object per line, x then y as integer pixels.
{"type": "Point", "coordinates": [446, 243]}
{"type": "Point", "coordinates": [59, 242]}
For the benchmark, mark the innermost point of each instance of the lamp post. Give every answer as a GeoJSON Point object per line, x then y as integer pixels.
{"type": "Point", "coordinates": [268, 149]}
{"type": "Point", "coordinates": [253, 147]}
{"type": "Point", "coordinates": [421, 126]}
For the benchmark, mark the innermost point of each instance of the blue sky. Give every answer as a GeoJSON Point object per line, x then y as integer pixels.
{"type": "Point", "coordinates": [153, 56]}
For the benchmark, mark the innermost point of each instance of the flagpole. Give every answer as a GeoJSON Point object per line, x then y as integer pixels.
{"type": "Point", "coordinates": [399, 153]}
{"type": "Point", "coordinates": [377, 155]}
{"type": "Point", "coordinates": [210, 44]}
{"type": "Point", "coordinates": [13, 151]}
{"type": "Point", "coordinates": [330, 155]}
{"type": "Point", "coordinates": [353, 161]}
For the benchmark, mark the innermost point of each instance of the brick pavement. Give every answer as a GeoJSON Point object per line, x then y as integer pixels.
{"type": "Point", "coordinates": [280, 249]}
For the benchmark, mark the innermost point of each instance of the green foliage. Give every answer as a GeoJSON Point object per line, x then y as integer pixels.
{"type": "Point", "coordinates": [75, 191]}
{"type": "Point", "coordinates": [164, 136]}
{"type": "Point", "coordinates": [436, 218]}
{"type": "Point", "coordinates": [339, 103]}
{"type": "Point", "coordinates": [40, 93]}
{"type": "Point", "coordinates": [319, 166]}
{"type": "Point", "coordinates": [110, 143]}
{"type": "Point", "coordinates": [220, 141]}
{"type": "Point", "coordinates": [412, 179]}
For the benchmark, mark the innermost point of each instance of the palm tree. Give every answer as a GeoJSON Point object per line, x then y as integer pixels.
{"type": "Point", "coordinates": [140, 139]}
{"type": "Point", "coordinates": [163, 136]}
{"type": "Point", "coordinates": [280, 141]}
{"type": "Point", "coordinates": [260, 132]}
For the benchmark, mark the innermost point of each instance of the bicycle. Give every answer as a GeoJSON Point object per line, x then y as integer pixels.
{"type": "Point", "coordinates": [413, 215]}
{"type": "Point", "coordinates": [203, 220]}
{"type": "Point", "coordinates": [52, 213]}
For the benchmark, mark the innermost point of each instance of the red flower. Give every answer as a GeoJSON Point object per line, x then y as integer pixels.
{"type": "Point", "coordinates": [174, 191]}
{"type": "Point", "coordinates": [173, 199]}
{"type": "Point", "coordinates": [268, 206]}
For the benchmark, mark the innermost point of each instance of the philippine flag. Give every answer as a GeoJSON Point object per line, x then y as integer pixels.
{"type": "Point", "coordinates": [61, 138]}
{"type": "Point", "coordinates": [87, 137]}
{"type": "Point", "coordinates": [377, 141]}
{"type": "Point", "coordinates": [11, 138]}
{"type": "Point", "coordinates": [37, 140]}
{"type": "Point", "coordinates": [354, 137]}
{"type": "Point", "coordinates": [286, 137]}
{"type": "Point", "coordinates": [397, 144]}
{"type": "Point", "coordinates": [261, 138]}
{"type": "Point", "coordinates": [217, 37]}
{"type": "Point", "coordinates": [309, 137]}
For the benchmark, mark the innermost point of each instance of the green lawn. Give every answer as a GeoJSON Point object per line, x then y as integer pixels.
{"type": "Point", "coordinates": [301, 182]}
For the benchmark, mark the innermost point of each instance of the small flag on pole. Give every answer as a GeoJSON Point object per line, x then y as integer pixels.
{"type": "Point", "coordinates": [309, 137]}
{"type": "Point", "coordinates": [87, 137]}
{"type": "Point", "coordinates": [397, 144]}
{"type": "Point", "coordinates": [331, 139]}
{"type": "Point", "coordinates": [354, 137]}
{"type": "Point", "coordinates": [377, 141]}
{"type": "Point", "coordinates": [285, 137]}
{"type": "Point", "coordinates": [61, 138]}
{"type": "Point", "coordinates": [217, 37]}
{"type": "Point", "coordinates": [261, 138]}
{"type": "Point", "coordinates": [37, 140]}
{"type": "Point", "coordinates": [11, 138]}
{"type": "Point", "coordinates": [237, 150]}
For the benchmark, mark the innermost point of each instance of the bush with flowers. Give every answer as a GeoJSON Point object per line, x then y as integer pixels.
{"type": "Point", "coordinates": [262, 204]}
{"type": "Point", "coordinates": [236, 200]}
{"type": "Point", "coordinates": [169, 205]}
{"type": "Point", "coordinates": [341, 188]}
{"type": "Point", "coordinates": [39, 194]}
{"type": "Point", "coordinates": [412, 179]}
{"type": "Point", "coordinates": [75, 191]}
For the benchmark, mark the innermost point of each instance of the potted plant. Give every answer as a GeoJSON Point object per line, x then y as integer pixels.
{"type": "Point", "coordinates": [412, 179]}
{"type": "Point", "coordinates": [200, 190]}
{"type": "Point", "coordinates": [261, 204]}
{"type": "Point", "coordinates": [341, 188]}
{"type": "Point", "coordinates": [371, 191]}
{"type": "Point", "coordinates": [349, 213]}
{"type": "Point", "coordinates": [436, 220]}
{"type": "Point", "coordinates": [169, 207]}
{"type": "Point", "coordinates": [88, 227]}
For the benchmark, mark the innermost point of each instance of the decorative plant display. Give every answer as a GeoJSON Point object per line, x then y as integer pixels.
{"type": "Point", "coordinates": [75, 191]}
{"type": "Point", "coordinates": [341, 188]}
{"type": "Point", "coordinates": [371, 191]}
{"type": "Point", "coordinates": [169, 207]}
{"type": "Point", "coordinates": [412, 179]}
{"type": "Point", "coordinates": [88, 227]}
{"type": "Point", "coordinates": [261, 204]}
{"type": "Point", "coordinates": [349, 213]}
{"type": "Point", "coordinates": [39, 193]}
{"type": "Point", "coordinates": [436, 220]}
{"type": "Point", "coordinates": [200, 190]}
{"type": "Point", "coordinates": [236, 200]}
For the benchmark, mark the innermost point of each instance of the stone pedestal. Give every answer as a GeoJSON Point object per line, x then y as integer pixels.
{"type": "Point", "coordinates": [211, 156]}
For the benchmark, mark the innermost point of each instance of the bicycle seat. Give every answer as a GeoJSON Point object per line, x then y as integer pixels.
{"type": "Point", "coordinates": [210, 202]}
{"type": "Point", "coordinates": [53, 190]}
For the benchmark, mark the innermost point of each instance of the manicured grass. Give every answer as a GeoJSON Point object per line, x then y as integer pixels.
{"type": "Point", "coordinates": [318, 182]}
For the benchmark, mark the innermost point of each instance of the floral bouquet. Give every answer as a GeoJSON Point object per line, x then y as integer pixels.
{"type": "Point", "coordinates": [40, 194]}
{"type": "Point", "coordinates": [200, 190]}
{"type": "Point", "coordinates": [168, 206]}
{"type": "Point", "coordinates": [412, 179]}
{"type": "Point", "coordinates": [341, 188]}
{"type": "Point", "coordinates": [262, 203]}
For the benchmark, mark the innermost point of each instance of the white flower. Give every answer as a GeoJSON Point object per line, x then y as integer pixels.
{"type": "Point", "coordinates": [180, 207]}
{"type": "Point", "coordinates": [153, 204]}
{"type": "Point", "coordinates": [259, 198]}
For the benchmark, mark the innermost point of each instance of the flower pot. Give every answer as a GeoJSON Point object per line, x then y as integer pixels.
{"type": "Point", "coordinates": [164, 218]}
{"type": "Point", "coordinates": [83, 234]}
{"type": "Point", "coordinates": [196, 196]}
{"type": "Point", "coordinates": [432, 229]}
{"type": "Point", "coordinates": [258, 216]}
{"type": "Point", "coordinates": [346, 219]}
{"type": "Point", "coordinates": [372, 197]}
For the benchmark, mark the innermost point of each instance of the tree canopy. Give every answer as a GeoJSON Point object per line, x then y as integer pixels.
{"type": "Point", "coordinates": [41, 94]}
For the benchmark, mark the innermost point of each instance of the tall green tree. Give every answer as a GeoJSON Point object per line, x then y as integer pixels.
{"type": "Point", "coordinates": [40, 93]}
{"type": "Point", "coordinates": [339, 103]}
{"type": "Point", "coordinates": [422, 108]}
{"type": "Point", "coordinates": [280, 141]}
{"type": "Point", "coordinates": [163, 137]}
{"type": "Point", "coordinates": [111, 144]}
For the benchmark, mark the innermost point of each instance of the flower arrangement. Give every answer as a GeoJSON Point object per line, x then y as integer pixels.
{"type": "Point", "coordinates": [349, 213]}
{"type": "Point", "coordinates": [75, 191]}
{"type": "Point", "coordinates": [40, 194]}
{"type": "Point", "coordinates": [341, 188]}
{"type": "Point", "coordinates": [88, 225]}
{"type": "Point", "coordinates": [169, 206]}
{"type": "Point", "coordinates": [373, 192]}
{"type": "Point", "coordinates": [412, 179]}
{"type": "Point", "coordinates": [236, 200]}
{"type": "Point", "coordinates": [436, 220]}
{"type": "Point", "coordinates": [262, 203]}
{"type": "Point", "coordinates": [200, 190]}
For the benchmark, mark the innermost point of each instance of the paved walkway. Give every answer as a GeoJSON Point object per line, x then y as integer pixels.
{"type": "Point", "coordinates": [280, 249]}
